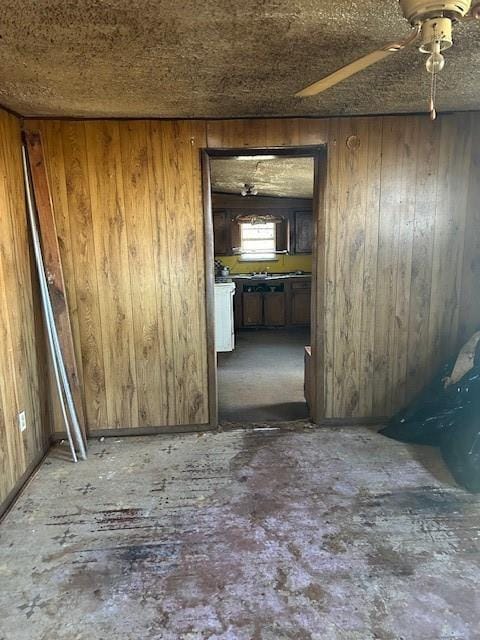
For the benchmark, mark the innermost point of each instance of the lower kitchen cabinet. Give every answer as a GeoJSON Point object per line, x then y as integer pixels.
{"type": "Point", "coordinates": [264, 309]}
{"type": "Point", "coordinates": [252, 309]}
{"type": "Point", "coordinates": [300, 307]}
{"type": "Point", "coordinates": [289, 305]}
{"type": "Point", "coordinates": [274, 309]}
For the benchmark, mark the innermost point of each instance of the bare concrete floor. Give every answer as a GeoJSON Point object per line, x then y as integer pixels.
{"type": "Point", "coordinates": [276, 534]}
{"type": "Point", "coordinates": [262, 379]}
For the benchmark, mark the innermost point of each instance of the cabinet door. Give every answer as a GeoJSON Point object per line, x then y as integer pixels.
{"type": "Point", "coordinates": [252, 309]}
{"type": "Point", "coordinates": [300, 313]}
{"type": "Point", "coordinates": [221, 233]}
{"type": "Point", "coordinates": [274, 309]}
{"type": "Point", "coordinates": [303, 226]}
{"type": "Point", "coordinates": [282, 235]}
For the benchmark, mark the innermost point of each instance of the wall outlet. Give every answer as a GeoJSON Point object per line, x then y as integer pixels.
{"type": "Point", "coordinates": [22, 421]}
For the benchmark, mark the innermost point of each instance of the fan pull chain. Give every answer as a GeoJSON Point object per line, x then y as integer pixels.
{"type": "Point", "coordinates": [433, 83]}
{"type": "Point", "coordinates": [433, 95]}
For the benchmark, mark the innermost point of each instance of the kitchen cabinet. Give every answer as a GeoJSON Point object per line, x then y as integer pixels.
{"type": "Point", "coordinates": [302, 237]}
{"type": "Point", "coordinates": [221, 233]}
{"type": "Point", "coordinates": [300, 303]}
{"type": "Point", "coordinates": [272, 302]}
{"type": "Point", "coordinates": [294, 234]}
{"type": "Point", "coordinates": [274, 309]}
{"type": "Point", "coordinates": [264, 309]}
{"type": "Point", "coordinates": [252, 308]}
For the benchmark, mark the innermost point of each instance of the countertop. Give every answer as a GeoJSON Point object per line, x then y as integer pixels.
{"type": "Point", "coordinates": [272, 276]}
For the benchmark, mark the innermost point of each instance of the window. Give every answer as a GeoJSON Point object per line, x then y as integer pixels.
{"type": "Point", "coordinates": [258, 241]}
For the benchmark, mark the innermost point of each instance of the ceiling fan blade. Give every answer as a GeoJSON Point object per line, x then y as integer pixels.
{"type": "Point", "coordinates": [358, 65]}
{"type": "Point", "coordinates": [343, 73]}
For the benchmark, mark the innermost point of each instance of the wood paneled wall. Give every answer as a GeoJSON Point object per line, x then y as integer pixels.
{"type": "Point", "coordinates": [400, 263]}
{"type": "Point", "coordinates": [129, 211]}
{"type": "Point", "coordinates": [402, 247]}
{"type": "Point", "coordinates": [22, 376]}
{"type": "Point", "coordinates": [469, 312]}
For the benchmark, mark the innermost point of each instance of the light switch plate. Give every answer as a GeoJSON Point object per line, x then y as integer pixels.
{"type": "Point", "coordinates": [22, 421]}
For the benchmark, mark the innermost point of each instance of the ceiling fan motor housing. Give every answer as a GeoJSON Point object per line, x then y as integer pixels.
{"type": "Point", "coordinates": [417, 11]}
{"type": "Point", "coordinates": [436, 30]}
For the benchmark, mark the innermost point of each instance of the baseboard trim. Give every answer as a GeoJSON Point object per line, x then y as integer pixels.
{"type": "Point", "coordinates": [29, 473]}
{"type": "Point", "coordinates": [141, 431]}
{"type": "Point", "coordinates": [22, 483]}
{"type": "Point", "coordinates": [196, 428]}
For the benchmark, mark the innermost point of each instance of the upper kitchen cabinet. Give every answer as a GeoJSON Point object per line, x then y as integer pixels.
{"type": "Point", "coordinates": [302, 232]}
{"type": "Point", "coordinates": [282, 234]}
{"type": "Point", "coordinates": [222, 233]}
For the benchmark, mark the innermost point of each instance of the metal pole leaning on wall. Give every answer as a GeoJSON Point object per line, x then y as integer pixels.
{"type": "Point", "coordinates": [66, 401]}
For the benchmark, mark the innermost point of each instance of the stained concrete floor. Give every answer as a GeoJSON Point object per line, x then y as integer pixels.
{"type": "Point", "coordinates": [288, 533]}
{"type": "Point", "coordinates": [262, 379]}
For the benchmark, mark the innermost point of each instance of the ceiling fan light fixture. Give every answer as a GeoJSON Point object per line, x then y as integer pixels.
{"type": "Point", "coordinates": [435, 62]}
{"type": "Point", "coordinates": [431, 22]}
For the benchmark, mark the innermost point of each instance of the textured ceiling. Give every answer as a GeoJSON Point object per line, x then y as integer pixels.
{"type": "Point", "coordinates": [211, 58]}
{"type": "Point", "coordinates": [281, 177]}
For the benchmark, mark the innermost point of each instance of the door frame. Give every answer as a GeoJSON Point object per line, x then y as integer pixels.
{"type": "Point", "coordinates": [317, 334]}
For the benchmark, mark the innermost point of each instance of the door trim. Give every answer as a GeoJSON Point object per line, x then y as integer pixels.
{"type": "Point", "coordinates": [209, 257]}
{"type": "Point", "coordinates": [319, 154]}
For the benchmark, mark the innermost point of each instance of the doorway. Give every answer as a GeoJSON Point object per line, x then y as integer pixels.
{"type": "Point", "coordinates": [264, 222]}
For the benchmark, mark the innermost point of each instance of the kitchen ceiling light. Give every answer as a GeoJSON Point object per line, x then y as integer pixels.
{"type": "Point", "coordinates": [259, 157]}
{"type": "Point", "coordinates": [249, 190]}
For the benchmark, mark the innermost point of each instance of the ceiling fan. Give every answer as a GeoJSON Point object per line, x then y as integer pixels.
{"type": "Point", "coordinates": [431, 22]}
